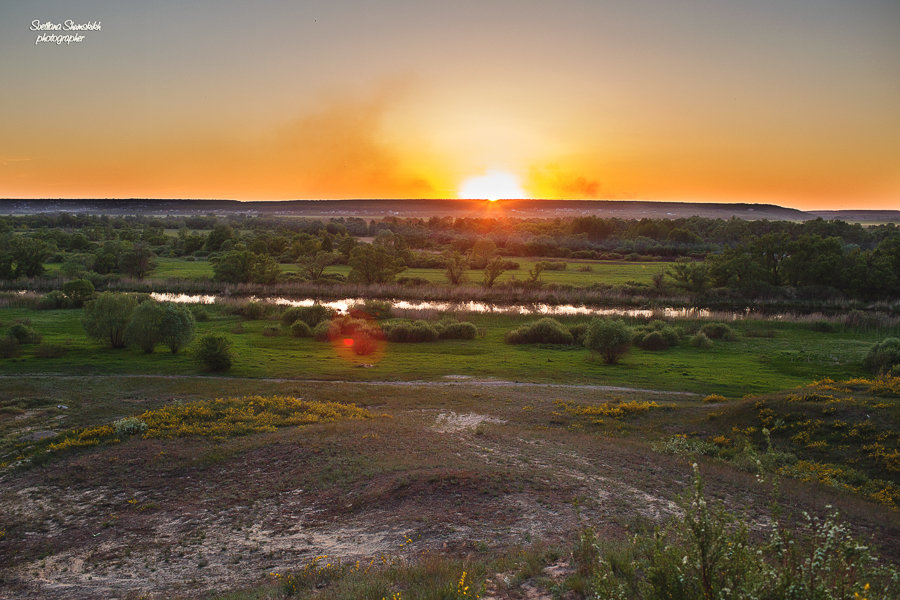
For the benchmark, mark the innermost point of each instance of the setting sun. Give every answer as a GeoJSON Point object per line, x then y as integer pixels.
{"type": "Point", "coordinates": [493, 186]}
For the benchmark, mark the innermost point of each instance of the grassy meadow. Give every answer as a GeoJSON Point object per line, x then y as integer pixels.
{"type": "Point", "coordinates": [578, 273]}
{"type": "Point", "coordinates": [766, 356]}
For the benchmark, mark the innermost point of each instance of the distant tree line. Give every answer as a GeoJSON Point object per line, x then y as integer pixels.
{"type": "Point", "coordinates": [752, 258]}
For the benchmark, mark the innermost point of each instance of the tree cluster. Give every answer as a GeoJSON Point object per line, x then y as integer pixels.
{"type": "Point", "coordinates": [120, 320]}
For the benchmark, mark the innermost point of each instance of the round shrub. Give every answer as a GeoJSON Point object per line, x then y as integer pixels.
{"type": "Point", "coordinates": [200, 314]}
{"type": "Point", "coordinates": [24, 334]}
{"type": "Point", "coordinates": [311, 315]}
{"type": "Point", "coordinates": [372, 309]}
{"type": "Point", "coordinates": [53, 300]}
{"type": "Point", "coordinates": [301, 329]}
{"type": "Point", "coordinates": [608, 338]}
{"type": "Point", "coordinates": [252, 311]}
{"type": "Point", "coordinates": [410, 332]}
{"type": "Point", "coordinates": [653, 341]}
{"type": "Point", "coordinates": [322, 331]}
{"type": "Point", "coordinates": [271, 331]}
{"type": "Point", "coordinates": [364, 344]}
{"type": "Point", "coordinates": [78, 291]}
{"type": "Point", "coordinates": [214, 351]}
{"type": "Point", "coordinates": [462, 330]}
{"type": "Point", "coordinates": [883, 356]}
{"type": "Point", "coordinates": [129, 426]}
{"type": "Point", "coordinates": [719, 331]}
{"type": "Point", "coordinates": [545, 331]}
{"type": "Point", "coordinates": [701, 341]}
{"type": "Point", "coordinates": [578, 332]}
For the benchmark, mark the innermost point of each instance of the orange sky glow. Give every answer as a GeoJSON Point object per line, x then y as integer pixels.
{"type": "Point", "coordinates": [794, 103]}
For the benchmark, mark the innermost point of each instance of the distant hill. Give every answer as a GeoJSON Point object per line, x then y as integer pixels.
{"type": "Point", "coordinates": [625, 209]}
{"type": "Point", "coordinates": [859, 216]}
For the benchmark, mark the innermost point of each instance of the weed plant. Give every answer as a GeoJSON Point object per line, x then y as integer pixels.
{"type": "Point", "coordinates": [709, 554]}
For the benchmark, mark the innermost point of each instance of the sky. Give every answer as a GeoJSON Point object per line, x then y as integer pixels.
{"type": "Point", "coordinates": [792, 102]}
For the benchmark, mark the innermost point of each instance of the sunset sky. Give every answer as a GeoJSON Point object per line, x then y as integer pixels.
{"type": "Point", "coordinates": [793, 102]}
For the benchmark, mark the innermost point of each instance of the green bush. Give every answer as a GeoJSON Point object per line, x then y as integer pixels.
{"type": "Point", "coordinates": [656, 335]}
{"type": "Point", "coordinates": [346, 327]}
{"type": "Point", "coordinates": [364, 344]}
{"type": "Point", "coordinates": [200, 314]}
{"type": "Point", "coordinates": [545, 331]}
{"type": "Point", "coordinates": [719, 331]}
{"type": "Point", "coordinates": [883, 356]}
{"type": "Point", "coordinates": [24, 334]}
{"type": "Point", "coordinates": [372, 309]}
{"type": "Point", "coordinates": [78, 291]}
{"type": "Point", "coordinates": [311, 315]}
{"type": "Point", "coordinates": [406, 332]}
{"type": "Point", "coordinates": [53, 300]}
{"type": "Point", "coordinates": [252, 311]}
{"type": "Point", "coordinates": [322, 331]}
{"type": "Point", "coordinates": [701, 341]}
{"type": "Point", "coordinates": [176, 326]}
{"type": "Point", "coordinates": [107, 316]}
{"type": "Point", "coordinates": [461, 330]}
{"type": "Point", "coordinates": [578, 331]}
{"type": "Point", "coordinates": [653, 340]}
{"type": "Point", "coordinates": [608, 338]}
{"type": "Point", "coordinates": [214, 351]}
{"type": "Point", "coordinates": [301, 329]}
{"type": "Point", "coordinates": [143, 328]}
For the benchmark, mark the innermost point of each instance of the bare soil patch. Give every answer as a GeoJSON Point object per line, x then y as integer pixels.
{"type": "Point", "coordinates": [452, 469]}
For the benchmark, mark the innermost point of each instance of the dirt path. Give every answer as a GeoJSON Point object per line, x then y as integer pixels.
{"type": "Point", "coordinates": [449, 381]}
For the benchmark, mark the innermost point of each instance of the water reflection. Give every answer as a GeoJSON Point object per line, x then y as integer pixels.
{"type": "Point", "coordinates": [344, 304]}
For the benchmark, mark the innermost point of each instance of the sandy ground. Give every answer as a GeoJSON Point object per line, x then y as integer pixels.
{"type": "Point", "coordinates": [168, 519]}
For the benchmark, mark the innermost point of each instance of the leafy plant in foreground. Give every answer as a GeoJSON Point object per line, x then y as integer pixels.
{"type": "Point", "coordinates": [709, 555]}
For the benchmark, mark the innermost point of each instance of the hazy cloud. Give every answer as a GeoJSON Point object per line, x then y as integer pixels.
{"type": "Point", "coordinates": [555, 182]}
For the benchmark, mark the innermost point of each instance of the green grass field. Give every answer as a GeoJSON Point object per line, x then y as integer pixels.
{"type": "Point", "coordinates": [580, 273]}
{"type": "Point", "coordinates": [792, 355]}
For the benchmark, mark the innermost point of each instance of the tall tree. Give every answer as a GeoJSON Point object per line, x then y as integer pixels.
{"type": "Point", "coordinates": [373, 263]}
{"type": "Point", "coordinates": [107, 316]}
{"type": "Point", "coordinates": [138, 260]}
{"type": "Point", "coordinates": [143, 328]}
{"type": "Point", "coordinates": [313, 267]}
{"type": "Point", "coordinates": [455, 264]}
{"type": "Point", "coordinates": [492, 270]}
{"type": "Point", "coordinates": [176, 326]}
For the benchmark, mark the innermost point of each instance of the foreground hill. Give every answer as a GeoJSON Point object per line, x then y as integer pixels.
{"type": "Point", "coordinates": [414, 476]}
